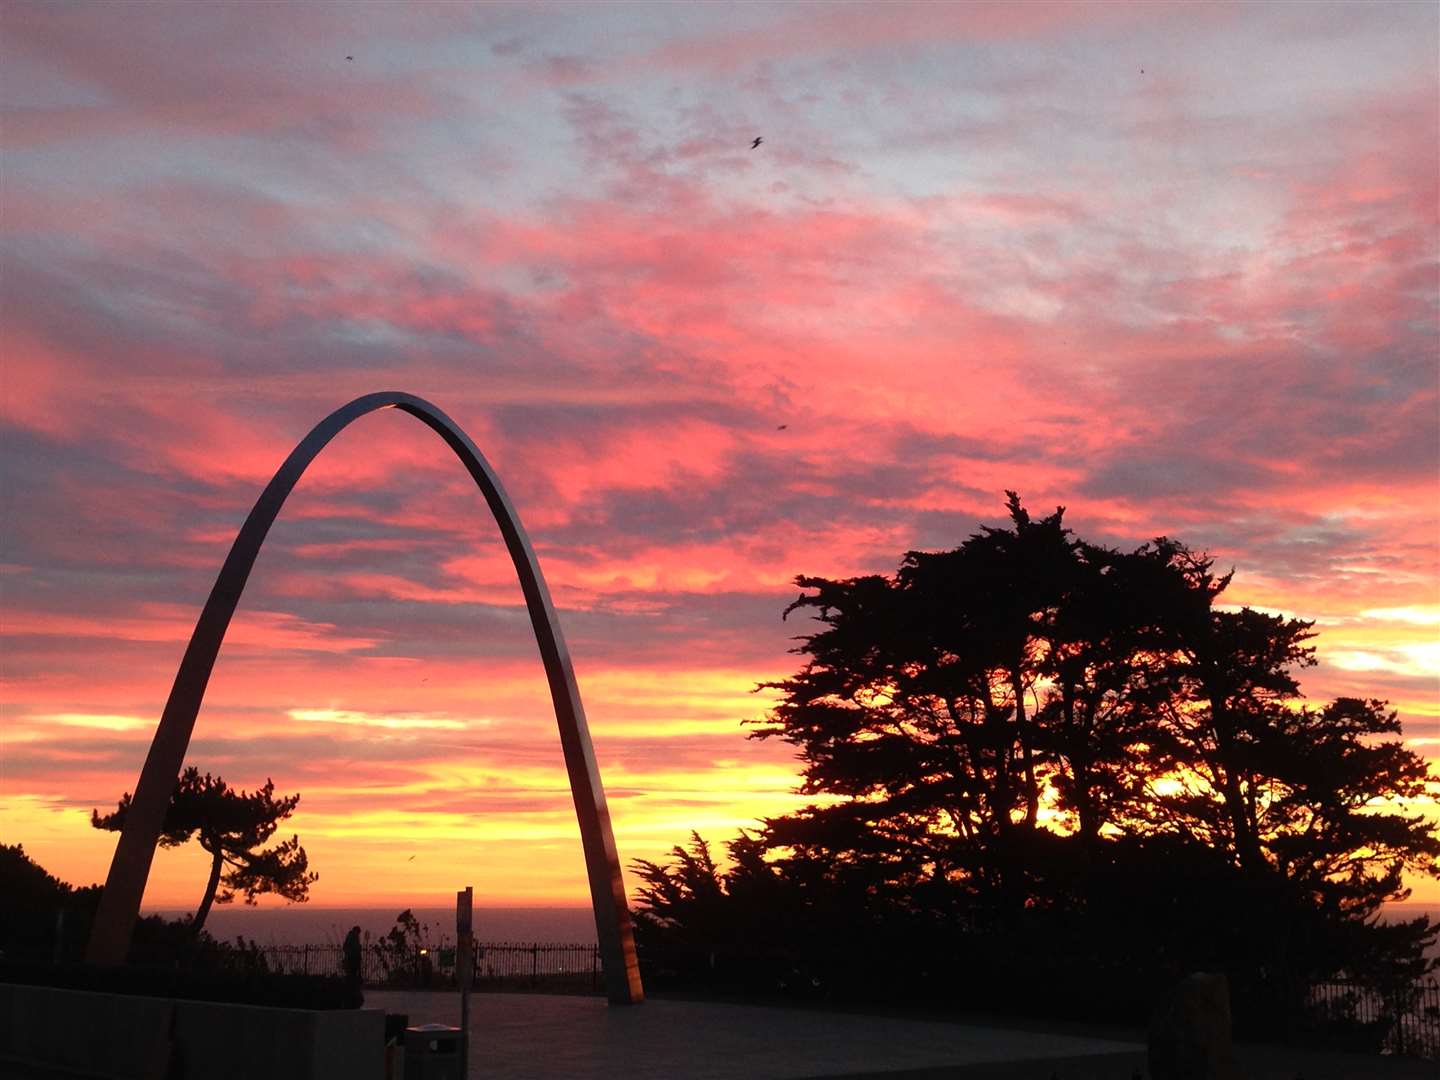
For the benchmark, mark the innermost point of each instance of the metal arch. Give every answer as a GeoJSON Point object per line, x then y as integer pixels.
{"type": "Point", "coordinates": [120, 904]}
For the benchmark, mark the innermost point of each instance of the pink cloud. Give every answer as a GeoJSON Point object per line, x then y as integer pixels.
{"type": "Point", "coordinates": [231, 74]}
{"type": "Point", "coordinates": [896, 26]}
{"type": "Point", "coordinates": [1167, 307]}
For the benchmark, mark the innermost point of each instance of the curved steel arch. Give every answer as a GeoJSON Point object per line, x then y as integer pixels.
{"type": "Point", "coordinates": [125, 885]}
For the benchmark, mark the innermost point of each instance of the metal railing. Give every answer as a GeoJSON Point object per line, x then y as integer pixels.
{"type": "Point", "coordinates": [497, 964]}
{"type": "Point", "coordinates": [1402, 1020]}
{"type": "Point", "coordinates": [513, 960]}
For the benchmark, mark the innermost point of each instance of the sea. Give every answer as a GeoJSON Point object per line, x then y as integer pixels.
{"type": "Point", "coordinates": [1413, 910]}
{"type": "Point", "coordinates": [302, 924]}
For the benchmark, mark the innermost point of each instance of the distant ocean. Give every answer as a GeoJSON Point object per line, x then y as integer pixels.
{"type": "Point", "coordinates": [302, 924]}
{"type": "Point", "coordinates": [1411, 910]}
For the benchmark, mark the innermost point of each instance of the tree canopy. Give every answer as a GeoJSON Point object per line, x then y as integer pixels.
{"type": "Point", "coordinates": [1034, 735]}
{"type": "Point", "coordinates": [233, 827]}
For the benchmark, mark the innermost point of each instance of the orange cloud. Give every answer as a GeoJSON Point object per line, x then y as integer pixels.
{"type": "Point", "coordinates": [961, 262]}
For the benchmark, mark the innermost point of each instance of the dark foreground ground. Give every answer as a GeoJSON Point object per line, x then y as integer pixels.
{"type": "Point", "coordinates": [538, 1037]}
{"type": "Point", "coordinates": [552, 1037]}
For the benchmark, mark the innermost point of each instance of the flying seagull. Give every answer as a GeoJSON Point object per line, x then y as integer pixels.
{"type": "Point", "coordinates": [757, 142]}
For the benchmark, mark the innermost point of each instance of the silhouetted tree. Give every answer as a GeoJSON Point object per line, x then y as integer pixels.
{"type": "Point", "coordinates": [947, 709]}
{"type": "Point", "coordinates": [232, 826]}
{"type": "Point", "coordinates": [753, 924]}
{"type": "Point", "coordinates": [41, 917]}
{"type": "Point", "coordinates": [1036, 751]}
{"type": "Point", "coordinates": [1327, 773]}
{"type": "Point", "coordinates": [686, 889]}
{"type": "Point", "coordinates": [1105, 673]}
{"type": "Point", "coordinates": [1306, 805]}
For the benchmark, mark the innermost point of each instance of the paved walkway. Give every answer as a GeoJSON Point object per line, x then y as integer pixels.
{"type": "Point", "coordinates": [538, 1037]}
{"type": "Point", "coordinates": [543, 1037]}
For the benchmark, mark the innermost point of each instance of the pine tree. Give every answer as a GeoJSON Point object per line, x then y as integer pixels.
{"type": "Point", "coordinates": [232, 827]}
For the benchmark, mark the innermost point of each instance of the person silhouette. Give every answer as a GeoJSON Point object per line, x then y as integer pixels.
{"type": "Point", "coordinates": [350, 954]}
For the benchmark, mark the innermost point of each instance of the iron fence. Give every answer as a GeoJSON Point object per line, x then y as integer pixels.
{"type": "Point", "coordinates": [497, 964]}
{"type": "Point", "coordinates": [1401, 1020]}
{"type": "Point", "coordinates": [514, 960]}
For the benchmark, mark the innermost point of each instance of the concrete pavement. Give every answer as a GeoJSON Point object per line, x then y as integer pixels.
{"type": "Point", "coordinates": [545, 1037]}
{"type": "Point", "coordinates": [538, 1037]}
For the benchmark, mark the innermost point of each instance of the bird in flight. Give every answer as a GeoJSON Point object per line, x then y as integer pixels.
{"type": "Point", "coordinates": [782, 427]}
{"type": "Point", "coordinates": [757, 142]}
{"type": "Point", "coordinates": [349, 58]}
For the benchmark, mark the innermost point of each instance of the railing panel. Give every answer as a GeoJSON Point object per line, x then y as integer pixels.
{"type": "Point", "coordinates": [496, 963]}
{"type": "Point", "coordinates": [1403, 1020]}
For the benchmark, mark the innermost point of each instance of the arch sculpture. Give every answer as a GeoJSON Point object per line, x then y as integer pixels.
{"type": "Point", "coordinates": [120, 904]}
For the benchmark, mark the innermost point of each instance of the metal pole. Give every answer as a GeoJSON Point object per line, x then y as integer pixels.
{"type": "Point", "coordinates": [465, 965]}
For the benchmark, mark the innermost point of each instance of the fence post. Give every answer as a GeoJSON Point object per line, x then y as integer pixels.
{"type": "Point", "coordinates": [535, 962]}
{"type": "Point", "coordinates": [307, 959]}
{"type": "Point", "coordinates": [1399, 1022]}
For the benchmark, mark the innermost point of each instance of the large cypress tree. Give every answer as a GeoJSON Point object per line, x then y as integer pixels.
{"type": "Point", "coordinates": [1042, 738]}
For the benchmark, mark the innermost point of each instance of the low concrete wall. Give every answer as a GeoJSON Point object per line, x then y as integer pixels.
{"type": "Point", "coordinates": [138, 1038]}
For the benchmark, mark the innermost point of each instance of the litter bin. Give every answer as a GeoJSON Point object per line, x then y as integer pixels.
{"type": "Point", "coordinates": [432, 1052]}
{"type": "Point", "coordinates": [395, 1025]}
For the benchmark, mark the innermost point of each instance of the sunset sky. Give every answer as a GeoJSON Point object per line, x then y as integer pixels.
{"type": "Point", "coordinates": [1171, 266]}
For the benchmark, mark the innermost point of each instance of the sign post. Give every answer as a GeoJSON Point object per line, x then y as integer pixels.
{"type": "Point", "coordinates": [465, 967]}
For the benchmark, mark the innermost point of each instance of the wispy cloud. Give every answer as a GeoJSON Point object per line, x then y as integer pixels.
{"type": "Point", "coordinates": [364, 719]}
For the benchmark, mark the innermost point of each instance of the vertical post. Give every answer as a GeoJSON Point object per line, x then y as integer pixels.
{"type": "Point", "coordinates": [307, 960]}
{"type": "Point", "coordinates": [465, 967]}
